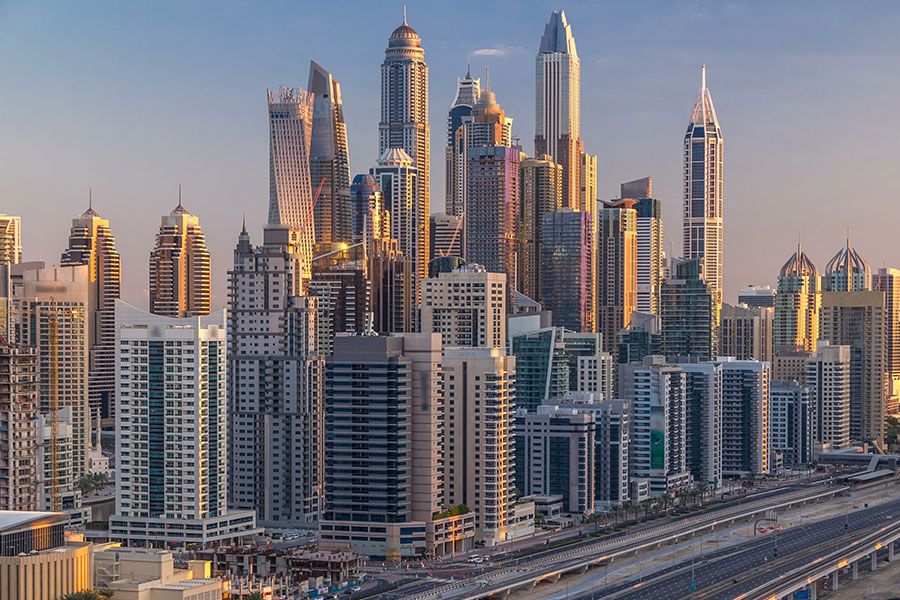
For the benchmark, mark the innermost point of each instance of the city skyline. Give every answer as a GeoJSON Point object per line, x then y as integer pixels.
{"type": "Point", "coordinates": [660, 86]}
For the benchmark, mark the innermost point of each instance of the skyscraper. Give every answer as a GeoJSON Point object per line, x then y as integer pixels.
{"type": "Point", "coordinates": [91, 243]}
{"type": "Point", "coordinates": [569, 269]}
{"type": "Point", "coordinates": [558, 105]}
{"type": "Point", "coordinates": [703, 428]}
{"type": "Point", "coordinates": [616, 270]}
{"type": "Point", "coordinates": [369, 217]}
{"type": "Point", "coordinates": [689, 314]}
{"type": "Point", "coordinates": [446, 236]}
{"type": "Point", "coordinates": [180, 267]}
{"type": "Point", "coordinates": [492, 209]}
{"type": "Point", "coordinates": [479, 426]}
{"type": "Point", "coordinates": [404, 125]}
{"type": "Point", "coordinates": [791, 422]}
{"type": "Point", "coordinates": [649, 252]}
{"type": "Point", "coordinates": [540, 187]}
{"type": "Point", "coordinates": [10, 239]}
{"type": "Point", "coordinates": [468, 91]}
{"type": "Point", "coordinates": [275, 392]}
{"type": "Point", "coordinates": [887, 280]}
{"type": "Point", "coordinates": [847, 271]}
{"type": "Point", "coordinates": [797, 301]}
{"type": "Point", "coordinates": [704, 197]}
{"type": "Point", "coordinates": [828, 378]}
{"type": "Point", "coordinates": [398, 177]}
{"type": "Point", "coordinates": [340, 282]}
{"type": "Point", "coordinates": [171, 432]}
{"type": "Point", "coordinates": [384, 450]}
{"type": "Point", "coordinates": [745, 417]}
{"type": "Point", "coordinates": [746, 333]}
{"type": "Point", "coordinates": [290, 187]}
{"type": "Point", "coordinates": [856, 319]}
{"type": "Point", "coordinates": [329, 158]}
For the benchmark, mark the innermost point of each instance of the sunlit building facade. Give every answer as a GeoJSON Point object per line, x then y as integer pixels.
{"type": "Point", "coordinates": [180, 267]}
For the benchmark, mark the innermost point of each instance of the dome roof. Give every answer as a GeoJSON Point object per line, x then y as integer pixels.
{"type": "Point", "coordinates": [799, 264]}
{"type": "Point", "coordinates": [363, 182]}
{"type": "Point", "coordinates": [404, 36]}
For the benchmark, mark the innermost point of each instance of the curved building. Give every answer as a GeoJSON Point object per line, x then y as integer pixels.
{"type": "Point", "coordinates": [180, 267]}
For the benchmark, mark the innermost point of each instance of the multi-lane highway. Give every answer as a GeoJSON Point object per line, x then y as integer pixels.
{"type": "Point", "coordinates": [514, 572]}
{"type": "Point", "coordinates": [738, 570]}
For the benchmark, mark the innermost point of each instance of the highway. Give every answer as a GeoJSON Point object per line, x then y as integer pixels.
{"type": "Point", "coordinates": [512, 572]}
{"type": "Point", "coordinates": [734, 571]}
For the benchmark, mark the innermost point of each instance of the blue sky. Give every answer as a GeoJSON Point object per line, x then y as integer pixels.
{"type": "Point", "coordinates": [135, 98]}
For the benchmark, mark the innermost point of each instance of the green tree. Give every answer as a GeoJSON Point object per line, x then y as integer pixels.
{"type": "Point", "coordinates": [88, 595]}
{"type": "Point", "coordinates": [892, 432]}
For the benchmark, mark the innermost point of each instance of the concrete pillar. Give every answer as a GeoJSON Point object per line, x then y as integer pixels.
{"type": "Point", "coordinates": [874, 559]}
{"type": "Point", "coordinates": [835, 580]}
{"type": "Point", "coordinates": [812, 591]}
{"type": "Point", "coordinates": [855, 570]}
{"type": "Point", "coordinates": [891, 551]}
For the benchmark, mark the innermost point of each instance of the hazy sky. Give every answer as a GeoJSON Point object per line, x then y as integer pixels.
{"type": "Point", "coordinates": [134, 98]}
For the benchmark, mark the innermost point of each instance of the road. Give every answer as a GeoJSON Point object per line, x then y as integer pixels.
{"type": "Point", "coordinates": [512, 567]}
{"type": "Point", "coordinates": [730, 572]}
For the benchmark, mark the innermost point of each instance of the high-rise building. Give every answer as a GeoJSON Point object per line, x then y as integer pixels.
{"type": "Point", "coordinates": [18, 434]}
{"type": "Point", "coordinates": [276, 383]}
{"type": "Point", "coordinates": [847, 271]}
{"type": "Point", "coordinates": [487, 125]}
{"type": "Point", "coordinates": [340, 282]}
{"type": "Point", "coordinates": [797, 301]}
{"type": "Point", "coordinates": [446, 236]}
{"type": "Point", "coordinates": [568, 269]}
{"type": "Point", "coordinates": [746, 333]}
{"type": "Point", "coordinates": [171, 432]}
{"type": "Point", "coordinates": [637, 189]}
{"type": "Point", "coordinates": [404, 125]}
{"type": "Point", "coordinates": [329, 158]}
{"type": "Point", "coordinates": [479, 429]}
{"type": "Point", "coordinates": [745, 417]}
{"type": "Point", "coordinates": [703, 428]}
{"type": "Point", "coordinates": [856, 319]}
{"type": "Point", "coordinates": [555, 449]}
{"type": "Point", "coordinates": [828, 378]}
{"type": "Point", "coordinates": [658, 445]}
{"type": "Point", "coordinates": [290, 187]}
{"type": "Point", "coordinates": [10, 239]}
{"type": "Point", "coordinates": [616, 269]}
{"type": "Point", "coordinates": [369, 217]}
{"type": "Point", "coordinates": [384, 451]}
{"type": "Point", "coordinates": [704, 197]}
{"type": "Point", "coordinates": [611, 474]}
{"type": "Point", "coordinates": [466, 306]}
{"type": "Point", "coordinates": [91, 243]}
{"type": "Point", "coordinates": [51, 315]}
{"type": "Point", "coordinates": [180, 267]}
{"type": "Point", "coordinates": [492, 209]}
{"type": "Point", "coordinates": [397, 176]}
{"type": "Point", "coordinates": [558, 105]}
{"type": "Point", "coordinates": [887, 280]}
{"type": "Point", "coordinates": [587, 174]}
{"type": "Point", "coordinates": [641, 338]}
{"type": "Point", "coordinates": [689, 314]}
{"type": "Point", "coordinates": [757, 296]}
{"type": "Point", "coordinates": [390, 275]}
{"type": "Point", "coordinates": [542, 367]}
{"type": "Point", "coordinates": [649, 253]}
{"type": "Point", "coordinates": [540, 188]}
{"type": "Point", "coordinates": [468, 91]}
{"type": "Point", "coordinates": [791, 422]}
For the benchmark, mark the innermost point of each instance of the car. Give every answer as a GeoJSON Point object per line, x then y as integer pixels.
{"type": "Point", "coordinates": [476, 559]}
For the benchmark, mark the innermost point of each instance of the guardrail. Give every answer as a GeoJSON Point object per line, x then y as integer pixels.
{"type": "Point", "coordinates": [622, 546]}
{"type": "Point", "coordinates": [807, 575]}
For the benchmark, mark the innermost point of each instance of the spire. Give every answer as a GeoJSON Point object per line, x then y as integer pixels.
{"type": "Point", "coordinates": [179, 196]}
{"type": "Point", "coordinates": [469, 70]}
{"type": "Point", "coordinates": [244, 224]}
{"type": "Point", "coordinates": [90, 212]}
{"type": "Point", "coordinates": [487, 78]}
{"type": "Point", "coordinates": [404, 15]}
{"type": "Point", "coordinates": [702, 78]}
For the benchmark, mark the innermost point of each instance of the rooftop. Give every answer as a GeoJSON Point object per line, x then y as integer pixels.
{"type": "Point", "coordinates": [15, 519]}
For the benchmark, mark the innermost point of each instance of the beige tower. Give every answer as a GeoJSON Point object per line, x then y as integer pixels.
{"type": "Point", "coordinates": [540, 186]}
{"type": "Point", "coordinates": [92, 244]}
{"type": "Point", "coordinates": [467, 307]}
{"type": "Point", "coordinates": [10, 239]}
{"type": "Point", "coordinates": [479, 429]}
{"type": "Point", "coordinates": [180, 267]}
{"type": "Point", "coordinates": [18, 435]}
{"type": "Point", "coordinates": [797, 302]}
{"type": "Point", "coordinates": [616, 270]}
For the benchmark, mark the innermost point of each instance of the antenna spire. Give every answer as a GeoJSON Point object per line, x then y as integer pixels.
{"type": "Point", "coordinates": [487, 78]}
{"type": "Point", "coordinates": [90, 198]}
{"type": "Point", "coordinates": [244, 223]}
{"type": "Point", "coordinates": [404, 14]}
{"type": "Point", "coordinates": [702, 78]}
{"type": "Point", "coordinates": [469, 70]}
{"type": "Point", "coordinates": [179, 196]}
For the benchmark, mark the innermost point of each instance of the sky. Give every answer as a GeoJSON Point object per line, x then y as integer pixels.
{"type": "Point", "coordinates": [133, 99]}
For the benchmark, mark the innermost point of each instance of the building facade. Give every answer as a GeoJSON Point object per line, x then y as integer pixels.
{"type": "Point", "coordinates": [540, 188]}
{"type": "Point", "coordinates": [180, 267]}
{"type": "Point", "coordinates": [568, 269]}
{"type": "Point", "coordinates": [746, 333]}
{"type": "Point", "coordinates": [10, 239]}
{"type": "Point", "coordinates": [791, 422]}
{"type": "Point", "coordinates": [689, 314]}
{"type": "Point", "coordinates": [828, 378]}
{"type": "Point", "coordinates": [466, 306]}
{"type": "Point", "coordinates": [798, 298]}
{"type": "Point", "coordinates": [18, 435]}
{"type": "Point", "coordinates": [172, 432]}
{"type": "Point", "coordinates": [616, 269]}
